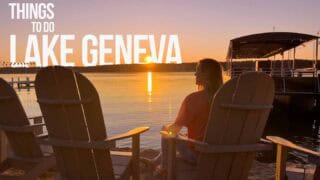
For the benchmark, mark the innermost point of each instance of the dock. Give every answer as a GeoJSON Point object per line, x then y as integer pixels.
{"type": "Point", "coordinates": [21, 84]}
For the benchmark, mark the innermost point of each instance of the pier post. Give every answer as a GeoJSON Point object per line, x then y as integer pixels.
{"type": "Point", "coordinates": [12, 82]}
{"type": "Point", "coordinates": [270, 67]}
{"type": "Point", "coordinates": [316, 60]}
{"type": "Point", "coordinates": [282, 70]}
{"type": "Point", "coordinates": [294, 60]}
{"type": "Point", "coordinates": [27, 83]}
{"type": "Point", "coordinates": [18, 83]}
{"type": "Point", "coordinates": [272, 70]}
{"type": "Point", "coordinates": [231, 71]}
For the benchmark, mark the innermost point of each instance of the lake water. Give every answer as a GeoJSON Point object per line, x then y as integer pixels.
{"type": "Point", "coordinates": [152, 99]}
{"type": "Point", "coordinates": [130, 100]}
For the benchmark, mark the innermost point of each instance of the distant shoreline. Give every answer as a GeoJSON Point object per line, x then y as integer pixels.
{"type": "Point", "coordinates": [184, 67]}
{"type": "Point", "coordinates": [122, 68]}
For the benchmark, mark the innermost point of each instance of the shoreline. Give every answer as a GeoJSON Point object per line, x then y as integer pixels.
{"type": "Point", "coordinates": [184, 67]}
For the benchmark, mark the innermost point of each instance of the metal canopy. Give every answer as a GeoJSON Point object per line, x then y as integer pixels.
{"type": "Point", "coordinates": [265, 45]}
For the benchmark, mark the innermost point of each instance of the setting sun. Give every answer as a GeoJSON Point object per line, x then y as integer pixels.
{"type": "Point", "coordinates": [148, 59]}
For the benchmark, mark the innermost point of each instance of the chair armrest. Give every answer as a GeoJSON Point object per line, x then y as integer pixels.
{"type": "Point", "coordinates": [191, 141]}
{"type": "Point", "coordinates": [102, 144]}
{"type": "Point", "coordinates": [131, 133]}
{"type": "Point", "coordinates": [262, 140]}
{"type": "Point", "coordinates": [284, 142]}
{"type": "Point", "coordinates": [27, 128]}
{"type": "Point", "coordinates": [208, 148]}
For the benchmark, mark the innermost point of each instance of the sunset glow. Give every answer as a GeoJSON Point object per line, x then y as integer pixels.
{"type": "Point", "coordinates": [148, 59]}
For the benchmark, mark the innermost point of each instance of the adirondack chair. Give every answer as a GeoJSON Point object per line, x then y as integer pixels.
{"type": "Point", "coordinates": [71, 108]}
{"type": "Point", "coordinates": [237, 118]}
{"type": "Point", "coordinates": [28, 162]}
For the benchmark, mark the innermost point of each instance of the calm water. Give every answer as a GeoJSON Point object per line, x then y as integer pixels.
{"type": "Point", "coordinates": [152, 99]}
{"type": "Point", "coordinates": [130, 100]}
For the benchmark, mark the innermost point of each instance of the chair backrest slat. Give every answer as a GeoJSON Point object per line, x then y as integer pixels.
{"type": "Point", "coordinates": [95, 125]}
{"type": "Point", "coordinates": [236, 124]}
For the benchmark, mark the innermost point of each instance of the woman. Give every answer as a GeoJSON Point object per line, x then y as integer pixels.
{"type": "Point", "coordinates": [194, 111]}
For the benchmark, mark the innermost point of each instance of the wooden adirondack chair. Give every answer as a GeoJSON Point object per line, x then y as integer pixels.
{"type": "Point", "coordinates": [71, 108]}
{"type": "Point", "coordinates": [29, 162]}
{"type": "Point", "coordinates": [238, 115]}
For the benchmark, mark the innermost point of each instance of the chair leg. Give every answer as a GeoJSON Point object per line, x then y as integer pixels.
{"type": "Point", "coordinates": [171, 168]}
{"type": "Point", "coordinates": [282, 153]}
{"type": "Point", "coordinates": [317, 173]}
{"type": "Point", "coordinates": [135, 157]}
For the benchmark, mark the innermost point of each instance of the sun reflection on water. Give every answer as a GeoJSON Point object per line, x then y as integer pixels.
{"type": "Point", "coordinates": [149, 86]}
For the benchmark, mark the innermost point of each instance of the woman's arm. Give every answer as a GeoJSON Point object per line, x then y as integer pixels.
{"type": "Point", "coordinates": [183, 118]}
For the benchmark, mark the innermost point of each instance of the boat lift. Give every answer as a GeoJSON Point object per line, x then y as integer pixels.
{"type": "Point", "coordinates": [289, 77]}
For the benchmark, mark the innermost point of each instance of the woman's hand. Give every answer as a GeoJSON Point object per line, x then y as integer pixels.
{"type": "Point", "coordinates": [165, 127]}
{"type": "Point", "coordinates": [172, 128]}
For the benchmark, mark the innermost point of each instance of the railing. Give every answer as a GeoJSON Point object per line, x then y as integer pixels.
{"type": "Point", "coordinates": [21, 84]}
{"type": "Point", "coordinates": [310, 72]}
{"type": "Point", "coordinates": [286, 84]}
{"type": "Point", "coordinates": [235, 72]}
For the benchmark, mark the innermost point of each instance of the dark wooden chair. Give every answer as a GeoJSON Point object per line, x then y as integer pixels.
{"type": "Point", "coordinates": [238, 116]}
{"type": "Point", "coordinates": [72, 112]}
{"type": "Point", "coordinates": [236, 122]}
{"type": "Point", "coordinates": [28, 161]}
